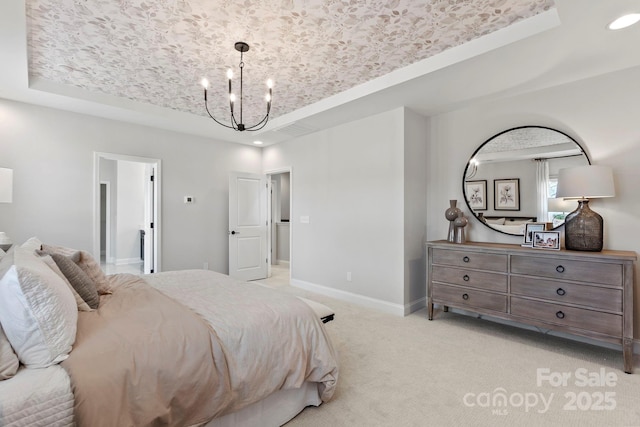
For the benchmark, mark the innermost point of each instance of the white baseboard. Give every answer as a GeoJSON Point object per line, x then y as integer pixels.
{"type": "Point", "coordinates": [415, 305]}
{"type": "Point", "coordinates": [384, 306]}
{"type": "Point", "coordinates": [127, 261]}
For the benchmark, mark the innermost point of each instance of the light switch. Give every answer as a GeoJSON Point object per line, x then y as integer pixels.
{"type": "Point", "coordinates": [304, 219]}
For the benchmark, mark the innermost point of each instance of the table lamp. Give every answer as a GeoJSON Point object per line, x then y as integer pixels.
{"type": "Point", "coordinates": [583, 228]}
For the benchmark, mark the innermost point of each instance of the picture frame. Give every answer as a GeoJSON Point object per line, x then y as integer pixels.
{"type": "Point", "coordinates": [506, 195]}
{"type": "Point", "coordinates": [546, 240]}
{"type": "Point", "coordinates": [529, 229]}
{"type": "Point", "coordinates": [476, 193]}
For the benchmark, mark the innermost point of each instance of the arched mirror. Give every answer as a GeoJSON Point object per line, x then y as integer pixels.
{"type": "Point", "coordinates": [511, 178]}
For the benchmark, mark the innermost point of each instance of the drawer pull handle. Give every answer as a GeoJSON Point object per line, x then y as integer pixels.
{"type": "Point", "coordinates": [561, 292]}
{"type": "Point", "coordinates": [465, 296]}
{"type": "Point", "coordinates": [465, 277]}
{"type": "Point", "coordinates": [560, 269]}
{"type": "Point", "coordinates": [465, 259]}
{"type": "Point", "coordinates": [560, 315]}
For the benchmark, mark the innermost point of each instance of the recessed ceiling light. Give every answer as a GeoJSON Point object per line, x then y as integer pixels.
{"type": "Point", "coordinates": [624, 21]}
{"type": "Point", "coordinates": [258, 142]}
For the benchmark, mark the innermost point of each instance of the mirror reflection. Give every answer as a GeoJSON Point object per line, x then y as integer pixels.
{"type": "Point", "coordinates": [511, 178]}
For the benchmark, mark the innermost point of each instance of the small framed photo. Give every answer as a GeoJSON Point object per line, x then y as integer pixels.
{"type": "Point", "coordinates": [506, 194]}
{"type": "Point", "coordinates": [529, 229]}
{"type": "Point", "coordinates": [476, 192]}
{"type": "Point", "coordinates": [546, 240]}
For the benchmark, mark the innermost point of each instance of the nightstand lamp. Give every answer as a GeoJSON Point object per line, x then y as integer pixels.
{"type": "Point", "coordinates": [583, 228]}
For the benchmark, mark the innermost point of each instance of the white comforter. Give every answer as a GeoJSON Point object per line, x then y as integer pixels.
{"type": "Point", "coordinates": [192, 346]}
{"type": "Point", "coordinates": [260, 332]}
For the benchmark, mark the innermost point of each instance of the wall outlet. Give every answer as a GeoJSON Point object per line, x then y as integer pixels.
{"type": "Point", "coordinates": [189, 199]}
{"type": "Point", "coordinates": [348, 276]}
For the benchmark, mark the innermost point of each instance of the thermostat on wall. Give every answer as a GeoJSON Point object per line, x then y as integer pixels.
{"type": "Point", "coordinates": [189, 199]}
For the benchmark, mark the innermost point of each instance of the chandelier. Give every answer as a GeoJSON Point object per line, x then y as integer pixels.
{"type": "Point", "coordinates": [236, 121]}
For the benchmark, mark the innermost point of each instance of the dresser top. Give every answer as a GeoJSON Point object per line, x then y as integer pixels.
{"type": "Point", "coordinates": [506, 247]}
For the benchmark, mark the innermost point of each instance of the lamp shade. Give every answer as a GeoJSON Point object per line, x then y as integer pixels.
{"type": "Point", "coordinates": [585, 182]}
{"type": "Point", "coordinates": [6, 185]}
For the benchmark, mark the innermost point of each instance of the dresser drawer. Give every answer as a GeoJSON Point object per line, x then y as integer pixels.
{"type": "Point", "coordinates": [604, 323]}
{"type": "Point", "coordinates": [569, 293]}
{"type": "Point", "coordinates": [477, 260]}
{"type": "Point", "coordinates": [583, 271]}
{"type": "Point", "coordinates": [471, 278]}
{"type": "Point", "coordinates": [471, 298]}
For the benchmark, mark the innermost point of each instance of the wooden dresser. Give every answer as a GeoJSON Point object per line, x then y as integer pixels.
{"type": "Point", "coordinates": [583, 293]}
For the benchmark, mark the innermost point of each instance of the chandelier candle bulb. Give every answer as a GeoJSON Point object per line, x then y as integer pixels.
{"type": "Point", "coordinates": [205, 84]}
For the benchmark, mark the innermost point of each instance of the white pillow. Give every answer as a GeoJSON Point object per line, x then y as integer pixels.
{"type": "Point", "coordinates": [37, 310]}
{"type": "Point", "coordinates": [518, 222]}
{"type": "Point", "coordinates": [32, 244]}
{"type": "Point", "coordinates": [498, 221]}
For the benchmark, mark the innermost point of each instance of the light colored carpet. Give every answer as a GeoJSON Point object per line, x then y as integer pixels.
{"type": "Point", "coordinates": [410, 371]}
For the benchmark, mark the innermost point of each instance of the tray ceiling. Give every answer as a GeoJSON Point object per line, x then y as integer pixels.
{"type": "Point", "coordinates": [156, 52]}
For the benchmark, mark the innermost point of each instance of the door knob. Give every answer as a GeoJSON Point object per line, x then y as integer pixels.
{"type": "Point", "coordinates": [234, 232]}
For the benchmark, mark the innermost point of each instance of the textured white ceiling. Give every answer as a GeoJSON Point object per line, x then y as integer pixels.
{"type": "Point", "coordinates": [156, 52]}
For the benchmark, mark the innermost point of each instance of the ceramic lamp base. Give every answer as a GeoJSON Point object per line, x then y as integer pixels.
{"type": "Point", "coordinates": [583, 229]}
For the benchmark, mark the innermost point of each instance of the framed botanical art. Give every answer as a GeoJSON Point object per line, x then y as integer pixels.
{"type": "Point", "coordinates": [506, 194]}
{"type": "Point", "coordinates": [546, 240]}
{"type": "Point", "coordinates": [476, 192]}
{"type": "Point", "coordinates": [530, 228]}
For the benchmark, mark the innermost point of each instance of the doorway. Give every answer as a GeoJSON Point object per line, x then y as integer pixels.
{"type": "Point", "coordinates": [126, 213]}
{"type": "Point", "coordinates": [280, 229]}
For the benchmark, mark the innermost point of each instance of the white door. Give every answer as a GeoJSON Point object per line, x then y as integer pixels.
{"type": "Point", "coordinates": [149, 219]}
{"type": "Point", "coordinates": [247, 226]}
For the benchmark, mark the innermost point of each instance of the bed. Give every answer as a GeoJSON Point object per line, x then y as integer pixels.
{"type": "Point", "coordinates": [187, 348]}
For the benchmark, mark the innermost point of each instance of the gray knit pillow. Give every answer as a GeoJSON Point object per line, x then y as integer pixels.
{"type": "Point", "coordinates": [80, 281]}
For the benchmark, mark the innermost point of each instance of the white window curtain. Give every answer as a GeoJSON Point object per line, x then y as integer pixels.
{"type": "Point", "coordinates": [542, 185]}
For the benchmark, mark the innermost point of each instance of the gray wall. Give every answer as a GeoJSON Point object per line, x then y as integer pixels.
{"type": "Point", "coordinates": [600, 113]}
{"type": "Point", "coordinates": [130, 211]}
{"type": "Point", "coordinates": [51, 152]}
{"type": "Point", "coordinates": [363, 187]}
{"type": "Point", "coordinates": [355, 181]}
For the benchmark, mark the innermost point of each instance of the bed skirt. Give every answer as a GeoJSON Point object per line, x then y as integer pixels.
{"type": "Point", "coordinates": [274, 410]}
